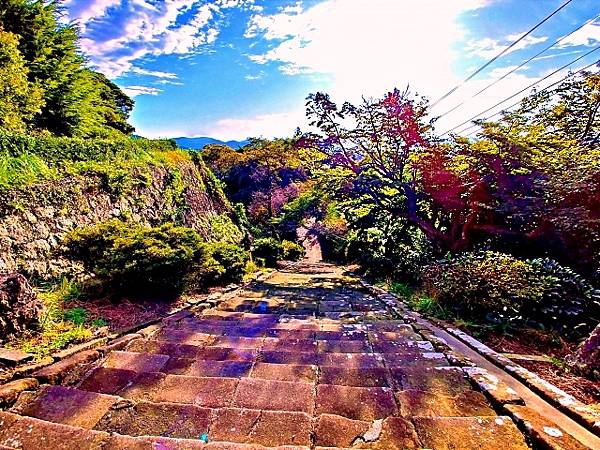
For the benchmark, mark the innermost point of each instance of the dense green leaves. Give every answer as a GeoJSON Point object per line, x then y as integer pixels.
{"type": "Point", "coordinates": [20, 99]}
{"type": "Point", "coordinates": [60, 95]}
{"type": "Point", "coordinates": [140, 260]}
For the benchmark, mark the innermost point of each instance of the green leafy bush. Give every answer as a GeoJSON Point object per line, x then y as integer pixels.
{"type": "Point", "coordinates": [393, 255]}
{"type": "Point", "coordinates": [219, 263]}
{"type": "Point", "coordinates": [570, 304]}
{"type": "Point", "coordinates": [290, 251]}
{"type": "Point", "coordinates": [77, 316]}
{"type": "Point", "coordinates": [485, 285]}
{"type": "Point", "coordinates": [136, 259]}
{"type": "Point", "coordinates": [500, 288]}
{"type": "Point", "coordinates": [129, 257]}
{"type": "Point", "coordinates": [268, 249]}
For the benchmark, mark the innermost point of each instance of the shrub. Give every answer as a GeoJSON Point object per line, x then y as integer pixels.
{"type": "Point", "coordinates": [268, 249]}
{"type": "Point", "coordinates": [485, 285]}
{"type": "Point", "coordinates": [290, 251]}
{"type": "Point", "coordinates": [570, 304]}
{"type": "Point", "coordinates": [133, 258]}
{"type": "Point", "coordinates": [500, 288]}
{"type": "Point", "coordinates": [219, 263]}
{"type": "Point", "coordinates": [400, 256]}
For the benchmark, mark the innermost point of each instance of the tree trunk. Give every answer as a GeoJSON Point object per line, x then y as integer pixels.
{"type": "Point", "coordinates": [586, 359]}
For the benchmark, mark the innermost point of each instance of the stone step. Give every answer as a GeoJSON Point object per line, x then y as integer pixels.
{"type": "Point", "coordinates": [18, 432]}
{"type": "Point", "coordinates": [269, 428]}
{"type": "Point", "coordinates": [67, 406]}
{"type": "Point", "coordinates": [360, 403]}
{"type": "Point", "coordinates": [158, 419]}
{"type": "Point", "coordinates": [482, 433]}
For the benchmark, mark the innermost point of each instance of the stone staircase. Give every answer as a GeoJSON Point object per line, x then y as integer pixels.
{"type": "Point", "coordinates": [302, 360]}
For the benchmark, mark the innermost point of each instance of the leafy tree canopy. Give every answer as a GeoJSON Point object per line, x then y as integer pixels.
{"type": "Point", "coordinates": [75, 100]}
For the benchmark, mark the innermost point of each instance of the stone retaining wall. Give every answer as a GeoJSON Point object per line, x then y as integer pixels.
{"type": "Point", "coordinates": [33, 220]}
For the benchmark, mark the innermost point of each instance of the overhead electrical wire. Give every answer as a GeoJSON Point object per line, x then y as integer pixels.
{"type": "Point", "coordinates": [522, 90]}
{"type": "Point", "coordinates": [499, 55]}
{"type": "Point", "coordinates": [539, 92]}
{"type": "Point", "coordinates": [493, 83]}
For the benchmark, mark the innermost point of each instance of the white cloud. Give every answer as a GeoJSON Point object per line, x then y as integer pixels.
{"type": "Point", "coordinates": [368, 47]}
{"type": "Point", "coordinates": [488, 48]}
{"type": "Point", "coordinates": [589, 35]}
{"type": "Point", "coordinates": [153, 73]}
{"type": "Point", "coordinates": [134, 91]}
{"type": "Point", "coordinates": [138, 28]}
{"type": "Point", "coordinates": [172, 83]}
{"type": "Point", "coordinates": [83, 11]}
{"type": "Point", "coordinates": [252, 77]}
{"type": "Point", "coordinates": [280, 124]}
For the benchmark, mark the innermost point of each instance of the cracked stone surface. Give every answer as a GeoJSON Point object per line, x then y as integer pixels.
{"type": "Point", "coordinates": [306, 358]}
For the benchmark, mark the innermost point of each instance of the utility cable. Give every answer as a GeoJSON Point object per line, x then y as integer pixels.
{"type": "Point", "coordinates": [499, 55]}
{"type": "Point", "coordinates": [493, 83]}
{"type": "Point", "coordinates": [522, 90]}
{"type": "Point", "coordinates": [539, 92]}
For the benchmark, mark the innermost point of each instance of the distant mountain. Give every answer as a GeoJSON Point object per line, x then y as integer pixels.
{"type": "Point", "coordinates": [198, 143]}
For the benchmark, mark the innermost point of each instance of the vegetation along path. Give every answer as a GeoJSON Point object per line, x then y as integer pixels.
{"type": "Point", "coordinates": [304, 359]}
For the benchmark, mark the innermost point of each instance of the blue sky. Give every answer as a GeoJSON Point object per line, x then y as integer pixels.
{"type": "Point", "coordinates": [231, 69]}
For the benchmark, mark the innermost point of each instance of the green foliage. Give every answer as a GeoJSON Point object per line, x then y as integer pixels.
{"type": "Point", "coordinates": [123, 162]}
{"type": "Point", "coordinates": [290, 251]}
{"type": "Point", "coordinates": [499, 288]}
{"type": "Point", "coordinates": [401, 289]}
{"type": "Point", "coordinates": [486, 285]}
{"type": "Point", "coordinates": [267, 249]}
{"type": "Point", "coordinates": [394, 251]}
{"type": "Point", "coordinates": [570, 304]}
{"type": "Point", "coordinates": [219, 263]}
{"type": "Point", "coordinates": [220, 228]}
{"type": "Point", "coordinates": [59, 327]}
{"type": "Point", "coordinates": [20, 99]}
{"type": "Point", "coordinates": [164, 260]}
{"type": "Point", "coordinates": [63, 97]}
{"type": "Point", "coordinates": [429, 306]}
{"type": "Point", "coordinates": [76, 316]}
{"type": "Point", "coordinates": [133, 258]}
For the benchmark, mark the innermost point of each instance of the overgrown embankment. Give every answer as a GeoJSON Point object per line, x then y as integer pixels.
{"type": "Point", "coordinates": [49, 186]}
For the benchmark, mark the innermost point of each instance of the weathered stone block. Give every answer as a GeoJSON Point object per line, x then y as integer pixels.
{"type": "Point", "coordinates": [20, 308]}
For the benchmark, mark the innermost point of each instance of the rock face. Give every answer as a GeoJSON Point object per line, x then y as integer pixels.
{"type": "Point", "coordinates": [19, 306]}
{"type": "Point", "coordinates": [586, 360]}
{"type": "Point", "coordinates": [34, 220]}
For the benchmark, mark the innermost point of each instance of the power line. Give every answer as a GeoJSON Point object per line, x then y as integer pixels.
{"type": "Point", "coordinates": [521, 91]}
{"type": "Point", "coordinates": [493, 83]}
{"type": "Point", "coordinates": [478, 71]}
{"type": "Point", "coordinates": [539, 92]}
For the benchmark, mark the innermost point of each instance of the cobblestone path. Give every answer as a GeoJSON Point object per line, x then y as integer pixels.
{"type": "Point", "coordinates": [304, 359]}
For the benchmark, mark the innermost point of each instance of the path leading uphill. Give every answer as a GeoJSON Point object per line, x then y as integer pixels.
{"type": "Point", "coordinates": [304, 359]}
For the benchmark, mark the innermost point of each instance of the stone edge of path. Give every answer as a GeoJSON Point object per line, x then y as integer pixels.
{"type": "Point", "coordinates": [75, 360]}
{"type": "Point", "coordinates": [498, 393]}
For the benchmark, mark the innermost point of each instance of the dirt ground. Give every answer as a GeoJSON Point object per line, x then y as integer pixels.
{"type": "Point", "coordinates": [534, 342]}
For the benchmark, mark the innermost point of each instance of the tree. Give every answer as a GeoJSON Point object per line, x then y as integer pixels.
{"type": "Point", "coordinates": [264, 175]}
{"type": "Point", "coordinates": [530, 182]}
{"type": "Point", "coordinates": [20, 99]}
{"type": "Point", "coordinates": [77, 100]}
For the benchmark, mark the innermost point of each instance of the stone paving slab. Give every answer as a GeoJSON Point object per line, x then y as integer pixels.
{"type": "Point", "coordinates": [202, 391]}
{"type": "Point", "coordinates": [298, 361]}
{"type": "Point", "coordinates": [285, 372]}
{"type": "Point", "coordinates": [356, 402]}
{"type": "Point", "coordinates": [164, 419]}
{"type": "Point", "coordinates": [483, 433]}
{"type": "Point", "coordinates": [18, 432]}
{"type": "Point", "coordinates": [255, 393]}
{"type": "Point", "coordinates": [68, 406]}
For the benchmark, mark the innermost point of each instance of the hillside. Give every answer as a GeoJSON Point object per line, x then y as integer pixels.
{"type": "Point", "coordinates": [198, 143]}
